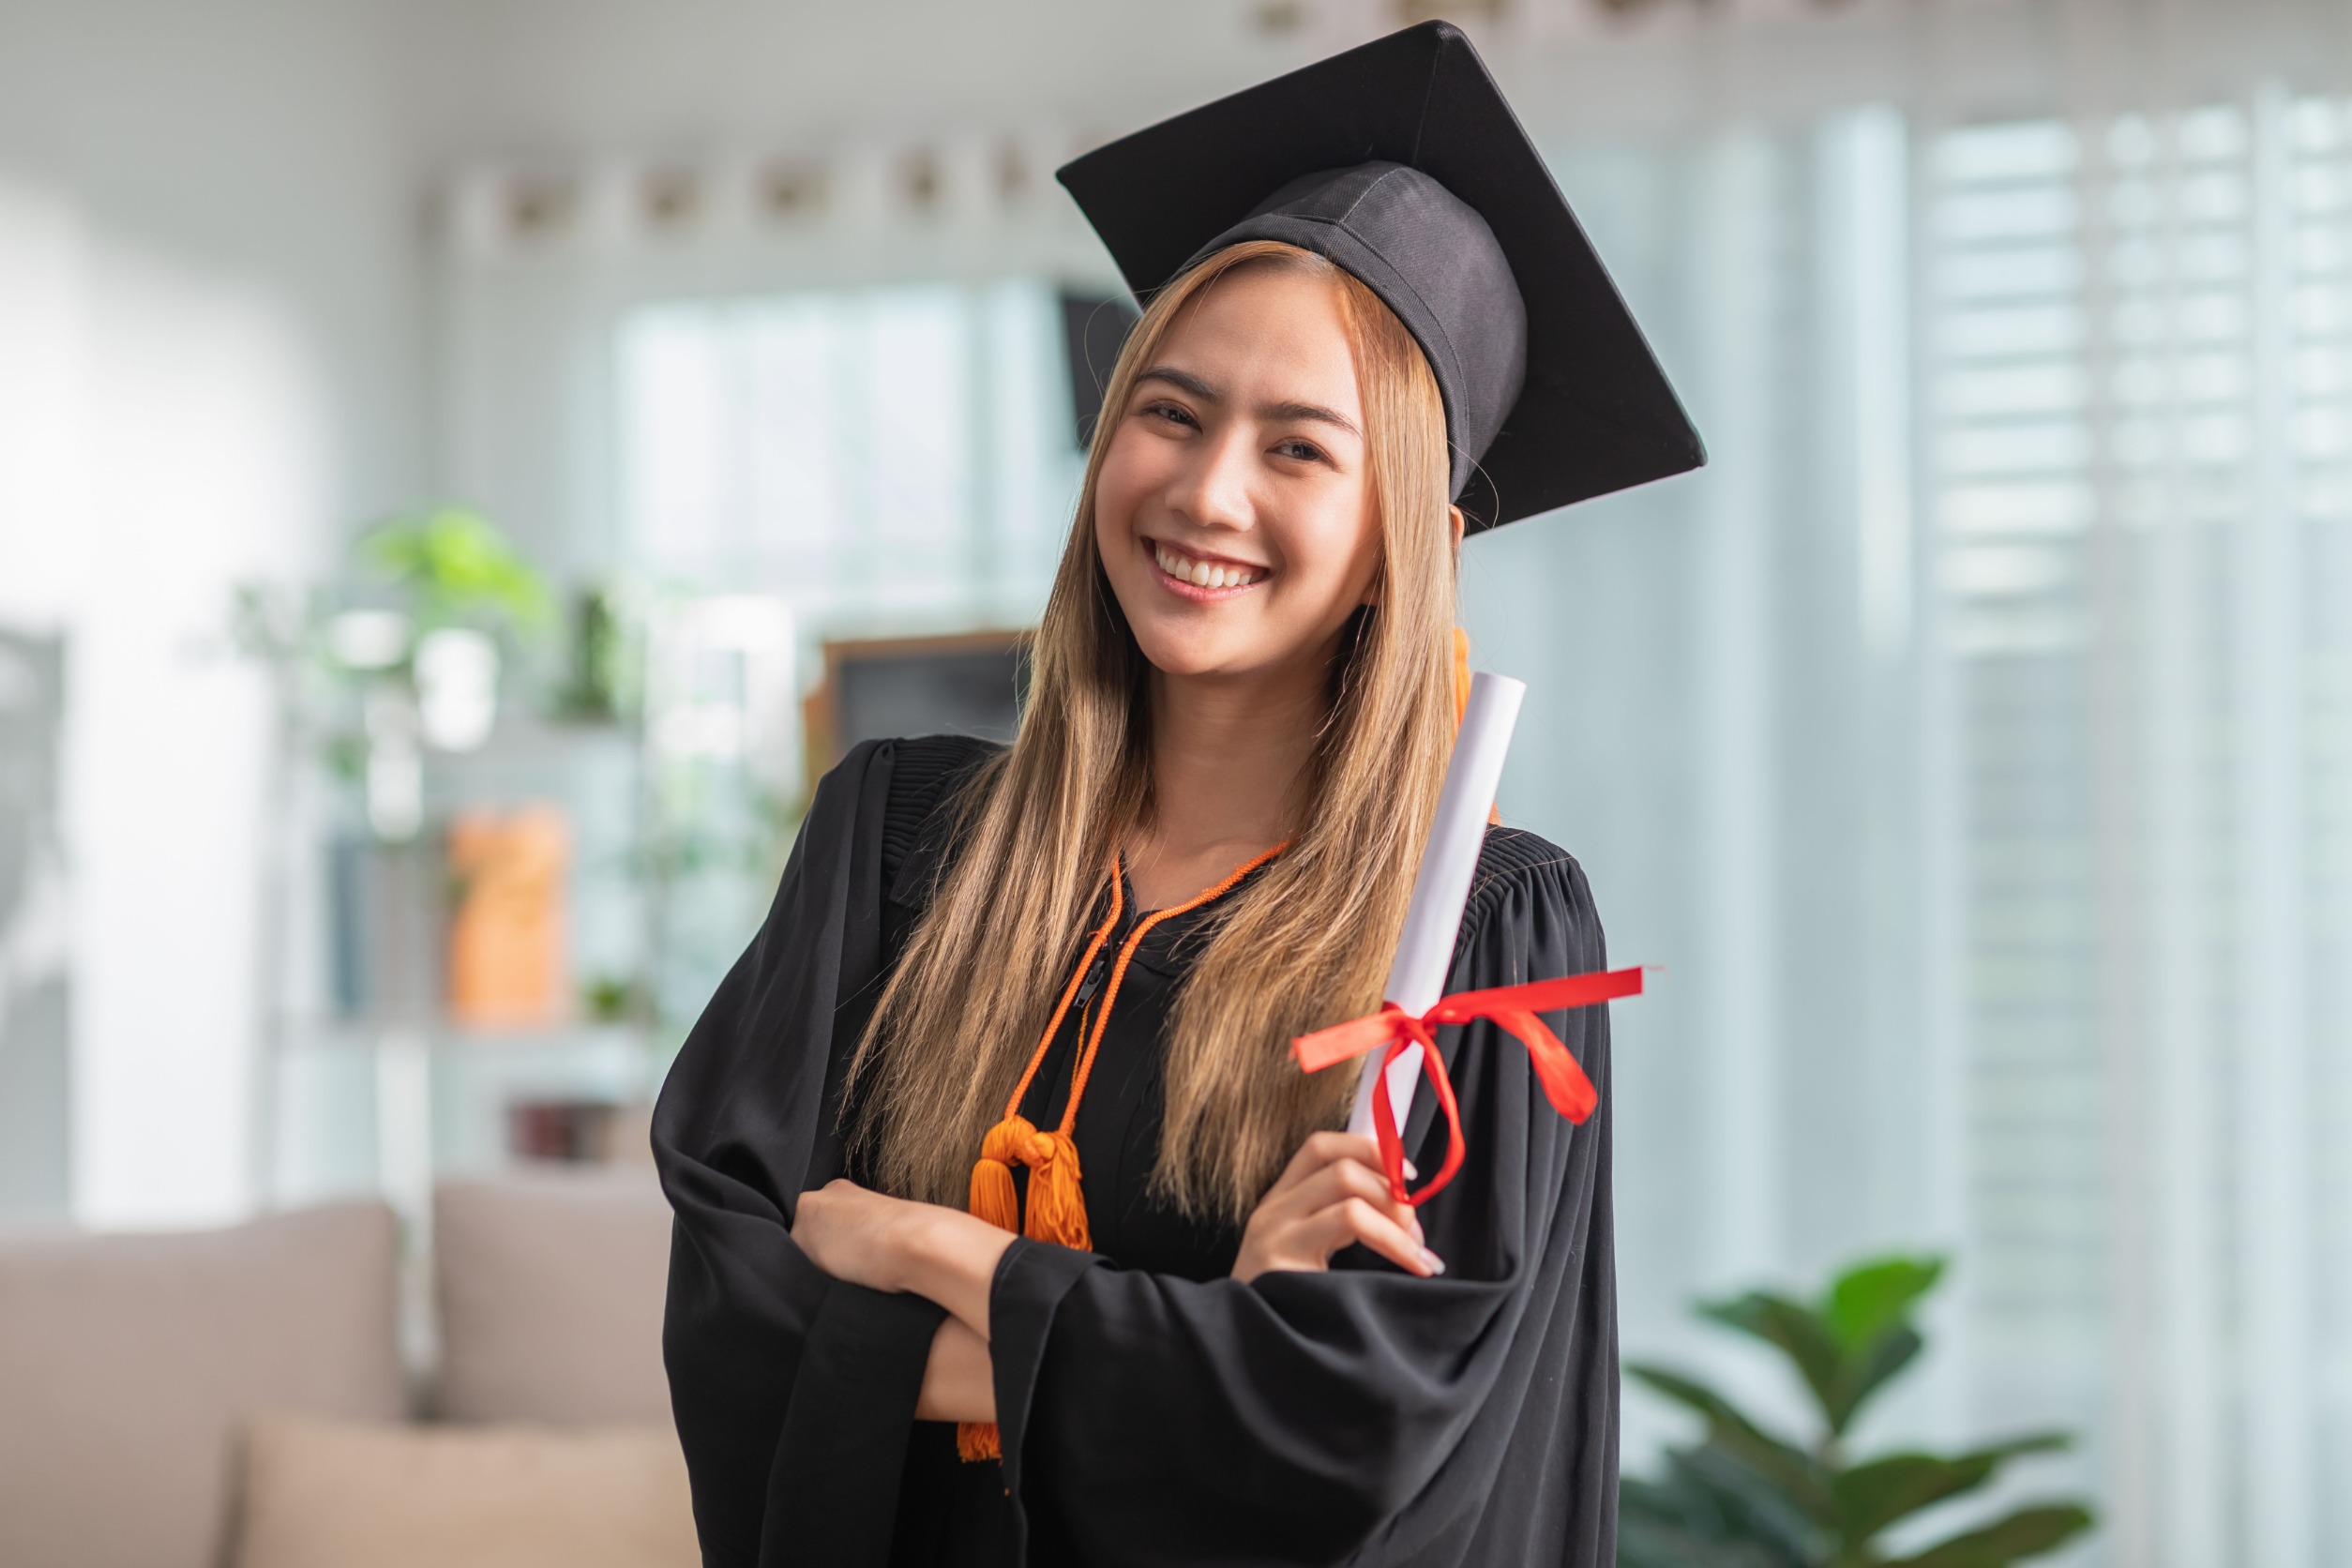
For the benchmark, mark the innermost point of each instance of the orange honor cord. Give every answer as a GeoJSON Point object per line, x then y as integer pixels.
{"type": "Point", "coordinates": [1394, 1031]}
{"type": "Point", "coordinates": [1057, 1200]}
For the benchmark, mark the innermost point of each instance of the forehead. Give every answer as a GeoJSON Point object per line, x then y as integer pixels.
{"type": "Point", "coordinates": [1268, 333]}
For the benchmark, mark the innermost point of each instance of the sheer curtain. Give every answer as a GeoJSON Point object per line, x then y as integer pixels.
{"type": "Point", "coordinates": [1972, 743]}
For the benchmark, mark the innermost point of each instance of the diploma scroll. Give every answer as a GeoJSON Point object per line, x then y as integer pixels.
{"type": "Point", "coordinates": [1433, 920]}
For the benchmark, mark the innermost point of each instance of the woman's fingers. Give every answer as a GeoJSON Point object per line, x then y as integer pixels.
{"type": "Point", "coordinates": [1332, 1193]}
{"type": "Point", "coordinates": [1345, 1179]}
{"type": "Point", "coordinates": [1354, 1220]}
{"type": "Point", "coordinates": [1321, 1149]}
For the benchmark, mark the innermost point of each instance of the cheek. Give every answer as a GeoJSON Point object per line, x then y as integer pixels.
{"type": "Point", "coordinates": [1125, 479]}
{"type": "Point", "coordinates": [1339, 546]}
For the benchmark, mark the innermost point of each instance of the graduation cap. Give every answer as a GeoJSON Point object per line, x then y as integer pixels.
{"type": "Point", "coordinates": [1401, 162]}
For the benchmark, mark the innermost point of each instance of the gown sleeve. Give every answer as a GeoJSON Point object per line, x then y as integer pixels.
{"type": "Point", "coordinates": [1359, 1415]}
{"type": "Point", "coordinates": [793, 1393]}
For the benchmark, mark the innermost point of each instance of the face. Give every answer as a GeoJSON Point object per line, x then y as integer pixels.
{"type": "Point", "coordinates": [1234, 510]}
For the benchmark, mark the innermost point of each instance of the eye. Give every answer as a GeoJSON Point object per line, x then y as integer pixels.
{"type": "Point", "coordinates": [1174, 413]}
{"type": "Point", "coordinates": [1299, 450]}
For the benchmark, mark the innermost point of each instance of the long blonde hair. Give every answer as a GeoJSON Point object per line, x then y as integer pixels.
{"type": "Point", "coordinates": [1305, 945]}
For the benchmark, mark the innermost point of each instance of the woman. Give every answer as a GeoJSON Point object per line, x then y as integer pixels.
{"type": "Point", "coordinates": [1051, 988]}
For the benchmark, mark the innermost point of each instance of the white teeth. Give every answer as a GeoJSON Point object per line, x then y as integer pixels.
{"type": "Point", "coordinates": [1201, 574]}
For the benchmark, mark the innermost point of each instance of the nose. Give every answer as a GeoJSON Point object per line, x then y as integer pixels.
{"type": "Point", "coordinates": [1212, 489]}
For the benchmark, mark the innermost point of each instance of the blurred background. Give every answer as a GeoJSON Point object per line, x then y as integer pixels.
{"type": "Point", "coordinates": [465, 467]}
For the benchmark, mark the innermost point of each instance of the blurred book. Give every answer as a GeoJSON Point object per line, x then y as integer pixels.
{"type": "Point", "coordinates": [506, 927]}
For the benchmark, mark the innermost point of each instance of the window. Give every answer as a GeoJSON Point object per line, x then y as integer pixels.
{"type": "Point", "coordinates": [880, 458]}
{"type": "Point", "coordinates": [2138, 345]}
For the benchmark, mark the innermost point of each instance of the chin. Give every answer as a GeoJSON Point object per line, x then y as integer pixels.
{"type": "Point", "coordinates": [1183, 656]}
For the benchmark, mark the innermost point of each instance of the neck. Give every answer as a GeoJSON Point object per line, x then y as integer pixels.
{"type": "Point", "coordinates": [1230, 757]}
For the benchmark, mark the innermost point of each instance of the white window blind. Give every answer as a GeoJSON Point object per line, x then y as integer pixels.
{"type": "Point", "coordinates": [2139, 448]}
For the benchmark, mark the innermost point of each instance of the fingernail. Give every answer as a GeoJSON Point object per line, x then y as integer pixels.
{"type": "Point", "coordinates": [1412, 1171]}
{"type": "Point", "coordinates": [1436, 1264]}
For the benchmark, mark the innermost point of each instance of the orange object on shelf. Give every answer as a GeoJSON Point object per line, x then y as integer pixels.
{"type": "Point", "coordinates": [506, 933]}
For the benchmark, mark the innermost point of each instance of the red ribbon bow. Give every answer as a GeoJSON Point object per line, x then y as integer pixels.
{"type": "Point", "coordinates": [1512, 1007]}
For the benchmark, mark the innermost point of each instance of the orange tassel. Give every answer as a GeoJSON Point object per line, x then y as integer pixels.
{"type": "Point", "coordinates": [992, 1194]}
{"type": "Point", "coordinates": [1057, 1200]}
{"type": "Point", "coordinates": [1057, 1197]}
{"type": "Point", "coordinates": [1053, 1192]}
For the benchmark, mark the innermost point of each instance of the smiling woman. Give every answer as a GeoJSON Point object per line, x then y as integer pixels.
{"type": "Point", "coordinates": [1009, 1229]}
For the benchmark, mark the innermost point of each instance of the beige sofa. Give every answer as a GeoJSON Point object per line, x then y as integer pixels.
{"type": "Point", "coordinates": [238, 1398]}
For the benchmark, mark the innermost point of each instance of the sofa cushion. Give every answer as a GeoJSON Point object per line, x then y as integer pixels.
{"type": "Point", "coordinates": [129, 1364]}
{"type": "Point", "coordinates": [550, 1288]}
{"type": "Point", "coordinates": [327, 1494]}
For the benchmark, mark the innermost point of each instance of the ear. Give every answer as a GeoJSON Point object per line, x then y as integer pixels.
{"type": "Point", "coordinates": [1456, 513]}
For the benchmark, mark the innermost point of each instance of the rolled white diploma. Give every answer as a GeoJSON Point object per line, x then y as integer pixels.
{"type": "Point", "coordinates": [1433, 920]}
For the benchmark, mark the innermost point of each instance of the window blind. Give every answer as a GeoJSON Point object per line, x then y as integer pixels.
{"type": "Point", "coordinates": [2139, 439]}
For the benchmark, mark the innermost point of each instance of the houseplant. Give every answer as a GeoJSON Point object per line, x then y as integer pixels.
{"type": "Point", "coordinates": [1746, 1497]}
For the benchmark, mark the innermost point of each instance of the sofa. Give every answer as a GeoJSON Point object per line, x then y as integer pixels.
{"type": "Point", "coordinates": [256, 1397]}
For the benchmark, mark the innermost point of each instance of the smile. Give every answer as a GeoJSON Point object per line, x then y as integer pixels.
{"type": "Point", "coordinates": [1185, 570]}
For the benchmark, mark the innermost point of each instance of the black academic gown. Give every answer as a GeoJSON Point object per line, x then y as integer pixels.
{"type": "Point", "coordinates": [1153, 1410]}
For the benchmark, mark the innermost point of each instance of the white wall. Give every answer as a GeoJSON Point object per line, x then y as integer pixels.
{"type": "Point", "coordinates": [207, 307]}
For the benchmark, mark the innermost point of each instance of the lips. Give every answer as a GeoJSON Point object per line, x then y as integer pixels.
{"type": "Point", "coordinates": [1204, 572]}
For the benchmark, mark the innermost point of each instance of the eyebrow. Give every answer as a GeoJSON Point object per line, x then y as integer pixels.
{"type": "Point", "coordinates": [1278, 412]}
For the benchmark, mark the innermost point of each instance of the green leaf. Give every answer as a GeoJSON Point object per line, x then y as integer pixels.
{"type": "Point", "coordinates": [1685, 1522]}
{"type": "Point", "coordinates": [1757, 1505]}
{"type": "Point", "coordinates": [1798, 1475]}
{"type": "Point", "coordinates": [1710, 1511]}
{"type": "Point", "coordinates": [1871, 1497]}
{"type": "Point", "coordinates": [1795, 1330]}
{"type": "Point", "coordinates": [1873, 1297]}
{"type": "Point", "coordinates": [1861, 1375]}
{"type": "Point", "coordinates": [458, 566]}
{"type": "Point", "coordinates": [1644, 1544]}
{"type": "Point", "coordinates": [2028, 1533]}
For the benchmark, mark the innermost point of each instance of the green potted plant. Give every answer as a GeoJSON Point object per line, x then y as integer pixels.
{"type": "Point", "coordinates": [1745, 1497]}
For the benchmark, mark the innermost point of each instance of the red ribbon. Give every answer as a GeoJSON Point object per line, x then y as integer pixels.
{"type": "Point", "coordinates": [1510, 1007]}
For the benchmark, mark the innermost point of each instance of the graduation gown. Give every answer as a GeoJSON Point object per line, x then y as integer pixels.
{"type": "Point", "coordinates": [1153, 1410]}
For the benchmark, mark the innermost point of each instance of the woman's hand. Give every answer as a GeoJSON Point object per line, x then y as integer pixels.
{"type": "Point", "coordinates": [890, 1243]}
{"type": "Point", "coordinates": [1331, 1194]}
{"type": "Point", "coordinates": [858, 1235]}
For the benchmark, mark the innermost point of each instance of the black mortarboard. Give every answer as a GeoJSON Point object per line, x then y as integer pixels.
{"type": "Point", "coordinates": [1402, 163]}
